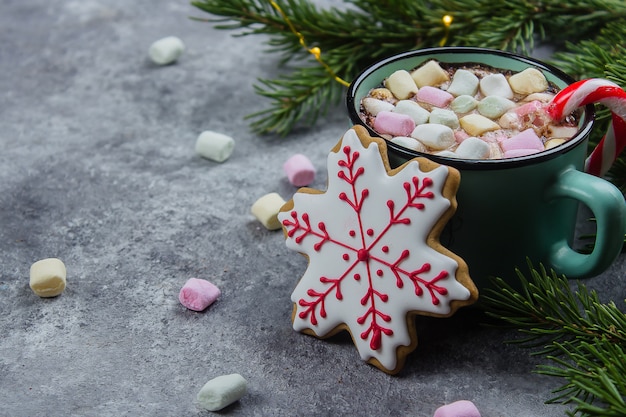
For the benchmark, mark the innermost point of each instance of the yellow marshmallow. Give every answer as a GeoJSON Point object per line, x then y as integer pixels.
{"type": "Point", "coordinates": [266, 209]}
{"type": "Point", "coordinates": [430, 74]}
{"type": "Point", "coordinates": [401, 84]}
{"type": "Point", "coordinates": [529, 81]}
{"type": "Point", "coordinates": [476, 125]}
{"type": "Point", "coordinates": [48, 277]}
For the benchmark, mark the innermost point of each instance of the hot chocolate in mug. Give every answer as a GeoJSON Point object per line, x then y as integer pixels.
{"type": "Point", "coordinates": [515, 208]}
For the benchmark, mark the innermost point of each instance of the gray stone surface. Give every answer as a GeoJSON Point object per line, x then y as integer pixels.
{"type": "Point", "coordinates": [97, 167]}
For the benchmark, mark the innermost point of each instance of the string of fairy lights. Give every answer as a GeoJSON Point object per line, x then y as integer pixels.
{"type": "Point", "coordinates": [317, 52]}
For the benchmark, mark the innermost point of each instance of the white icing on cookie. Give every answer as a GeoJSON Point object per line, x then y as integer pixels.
{"type": "Point", "coordinates": [370, 263]}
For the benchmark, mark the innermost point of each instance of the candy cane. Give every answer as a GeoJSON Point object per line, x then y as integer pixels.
{"type": "Point", "coordinates": [596, 90]}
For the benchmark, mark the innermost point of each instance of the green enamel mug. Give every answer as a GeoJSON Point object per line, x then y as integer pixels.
{"type": "Point", "coordinates": [515, 208]}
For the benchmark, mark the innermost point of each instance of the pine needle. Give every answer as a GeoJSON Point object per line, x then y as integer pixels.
{"type": "Point", "coordinates": [583, 339]}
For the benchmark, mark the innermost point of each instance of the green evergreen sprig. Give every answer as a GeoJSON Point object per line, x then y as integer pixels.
{"type": "Point", "coordinates": [589, 35]}
{"type": "Point", "coordinates": [583, 339]}
{"type": "Point", "coordinates": [351, 38]}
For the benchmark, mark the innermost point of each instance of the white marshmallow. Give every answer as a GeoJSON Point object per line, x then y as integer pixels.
{"type": "Point", "coordinates": [444, 117]}
{"type": "Point", "coordinates": [166, 50]}
{"type": "Point", "coordinates": [494, 106]}
{"type": "Point", "coordinates": [434, 136]}
{"type": "Point", "coordinates": [374, 106]}
{"type": "Point", "coordinates": [464, 104]}
{"type": "Point", "coordinates": [464, 82]}
{"type": "Point", "coordinates": [473, 148]}
{"type": "Point", "coordinates": [411, 108]}
{"type": "Point", "coordinates": [447, 154]}
{"type": "Point", "coordinates": [495, 85]}
{"type": "Point", "coordinates": [510, 120]}
{"type": "Point", "coordinates": [222, 391]}
{"type": "Point", "coordinates": [215, 146]}
{"type": "Point", "coordinates": [409, 143]}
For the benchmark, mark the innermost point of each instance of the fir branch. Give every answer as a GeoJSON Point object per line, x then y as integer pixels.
{"type": "Point", "coordinates": [584, 339]}
{"type": "Point", "coordinates": [592, 34]}
{"type": "Point", "coordinates": [310, 93]}
{"type": "Point", "coordinates": [372, 29]}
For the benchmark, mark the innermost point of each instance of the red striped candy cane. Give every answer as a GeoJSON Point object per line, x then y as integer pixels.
{"type": "Point", "coordinates": [596, 90]}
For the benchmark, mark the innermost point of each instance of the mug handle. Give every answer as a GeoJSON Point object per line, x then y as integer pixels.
{"type": "Point", "coordinates": [607, 204]}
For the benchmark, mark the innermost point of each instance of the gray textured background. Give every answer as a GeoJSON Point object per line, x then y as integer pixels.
{"type": "Point", "coordinates": [97, 167]}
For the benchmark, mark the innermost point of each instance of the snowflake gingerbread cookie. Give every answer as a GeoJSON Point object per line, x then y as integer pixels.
{"type": "Point", "coordinates": [372, 240]}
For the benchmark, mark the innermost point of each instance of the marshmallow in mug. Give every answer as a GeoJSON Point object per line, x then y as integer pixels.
{"type": "Point", "coordinates": [499, 107]}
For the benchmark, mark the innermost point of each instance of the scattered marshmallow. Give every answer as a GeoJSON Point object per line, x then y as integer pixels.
{"type": "Point", "coordinates": [473, 148]}
{"type": "Point", "coordinates": [495, 85]}
{"type": "Point", "coordinates": [461, 408]}
{"type": "Point", "coordinates": [529, 81]}
{"type": "Point", "coordinates": [430, 74]}
{"type": "Point", "coordinates": [401, 84]}
{"type": "Point", "coordinates": [266, 210]}
{"type": "Point", "coordinates": [434, 136]}
{"type": "Point", "coordinates": [222, 391]}
{"type": "Point", "coordinates": [374, 106]}
{"type": "Point", "coordinates": [197, 294]}
{"type": "Point", "coordinates": [48, 277]}
{"type": "Point", "coordinates": [494, 106]}
{"type": "Point", "coordinates": [526, 139]}
{"type": "Point", "coordinates": [444, 117]}
{"type": "Point", "coordinates": [476, 125]}
{"type": "Point", "coordinates": [215, 146]}
{"type": "Point", "coordinates": [299, 170]}
{"type": "Point", "coordinates": [464, 104]}
{"type": "Point", "coordinates": [409, 107]}
{"type": "Point", "coordinates": [434, 96]}
{"type": "Point", "coordinates": [392, 123]}
{"type": "Point", "coordinates": [166, 51]}
{"type": "Point", "coordinates": [464, 83]}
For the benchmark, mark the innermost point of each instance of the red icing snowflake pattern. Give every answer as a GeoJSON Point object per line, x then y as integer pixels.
{"type": "Point", "coordinates": [370, 262]}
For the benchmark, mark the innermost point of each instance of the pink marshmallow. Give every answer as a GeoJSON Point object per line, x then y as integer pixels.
{"type": "Point", "coordinates": [460, 135]}
{"type": "Point", "coordinates": [300, 170]}
{"type": "Point", "coordinates": [395, 124]}
{"type": "Point", "coordinates": [529, 108]}
{"type": "Point", "coordinates": [526, 139]}
{"type": "Point", "coordinates": [514, 153]}
{"type": "Point", "coordinates": [461, 408]}
{"type": "Point", "coordinates": [198, 294]}
{"type": "Point", "coordinates": [434, 96]}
